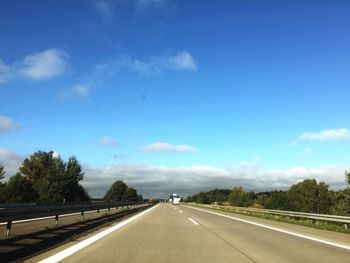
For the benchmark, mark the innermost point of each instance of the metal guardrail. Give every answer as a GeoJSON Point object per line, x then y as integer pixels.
{"type": "Point", "coordinates": [16, 215]}
{"type": "Point", "coordinates": [315, 218]}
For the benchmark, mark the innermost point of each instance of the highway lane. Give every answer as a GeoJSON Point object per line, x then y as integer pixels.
{"type": "Point", "coordinates": [266, 245]}
{"type": "Point", "coordinates": [181, 234]}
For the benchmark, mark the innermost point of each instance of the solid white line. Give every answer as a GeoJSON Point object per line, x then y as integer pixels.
{"type": "Point", "coordinates": [276, 229]}
{"type": "Point", "coordinates": [194, 222]}
{"type": "Point", "coordinates": [75, 248]}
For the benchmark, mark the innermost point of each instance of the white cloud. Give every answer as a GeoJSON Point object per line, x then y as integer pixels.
{"type": "Point", "coordinates": [44, 65]}
{"type": "Point", "coordinates": [38, 66]}
{"type": "Point", "coordinates": [331, 134]}
{"type": "Point", "coordinates": [107, 141]}
{"type": "Point", "coordinates": [77, 91]}
{"type": "Point", "coordinates": [168, 147]}
{"type": "Point", "coordinates": [7, 124]}
{"type": "Point", "coordinates": [104, 8]}
{"type": "Point", "coordinates": [151, 180]}
{"type": "Point", "coordinates": [182, 61]}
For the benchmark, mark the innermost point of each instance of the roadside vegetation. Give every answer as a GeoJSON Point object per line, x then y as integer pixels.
{"type": "Point", "coordinates": [119, 191]}
{"type": "Point", "coordinates": [45, 178]}
{"type": "Point", "coordinates": [307, 196]}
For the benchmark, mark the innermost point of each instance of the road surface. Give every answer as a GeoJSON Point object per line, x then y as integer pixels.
{"type": "Point", "coordinates": [170, 233]}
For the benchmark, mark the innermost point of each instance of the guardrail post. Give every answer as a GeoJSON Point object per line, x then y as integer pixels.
{"type": "Point", "coordinates": [56, 220]}
{"type": "Point", "coordinates": [346, 225]}
{"type": "Point", "coordinates": [98, 210]}
{"type": "Point", "coordinates": [8, 228]}
{"type": "Point", "coordinates": [82, 215]}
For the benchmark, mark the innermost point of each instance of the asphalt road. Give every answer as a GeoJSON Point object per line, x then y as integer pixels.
{"type": "Point", "coordinates": [181, 234]}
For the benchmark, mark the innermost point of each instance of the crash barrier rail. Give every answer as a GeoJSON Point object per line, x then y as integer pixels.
{"type": "Point", "coordinates": [314, 218]}
{"type": "Point", "coordinates": [17, 215]}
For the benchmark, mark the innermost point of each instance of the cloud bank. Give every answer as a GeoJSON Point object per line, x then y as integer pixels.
{"type": "Point", "coordinates": [161, 181]}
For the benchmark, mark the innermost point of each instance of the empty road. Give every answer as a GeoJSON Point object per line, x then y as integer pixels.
{"type": "Point", "coordinates": [170, 233]}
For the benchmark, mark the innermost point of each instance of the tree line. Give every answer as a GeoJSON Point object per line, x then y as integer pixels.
{"type": "Point", "coordinates": [307, 196]}
{"type": "Point", "coordinates": [45, 178]}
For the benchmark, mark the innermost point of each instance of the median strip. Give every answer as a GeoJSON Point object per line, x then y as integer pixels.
{"type": "Point", "coordinates": [75, 248]}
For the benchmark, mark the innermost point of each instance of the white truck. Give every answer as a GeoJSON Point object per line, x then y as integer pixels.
{"type": "Point", "coordinates": [176, 199]}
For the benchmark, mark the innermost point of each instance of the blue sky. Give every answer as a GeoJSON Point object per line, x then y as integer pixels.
{"type": "Point", "coordinates": [179, 95]}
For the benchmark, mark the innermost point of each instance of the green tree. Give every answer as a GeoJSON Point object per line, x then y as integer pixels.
{"type": "Point", "coordinates": [202, 198]}
{"type": "Point", "coordinates": [2, 172]}
{"type": "Point", "coordinates": [73, 191]}
{"type": "Point", "coordinates": [53, 180]}
{"type": "Point", "coordinates": [324, 198]}
{"type": "Point", "coordinates": [341, 204]}
{"type": "Point", "coordinates": [81, 195]}
{"type": "Point", "coordinates": [218, 195]}
{"type": "Point", "coordinates": [2, 185]}
{"type": "Point", "coordinates": [303, 196]}
{"type": "Point", "coordinates": [45, 172]}
{"type": "Point", "coordinates": [310, 196]}
{"type": "Point", "coordinates": [139, 197]}
{"type": "Point", "coordinates": [115, 193]}
{"type": "Point", "coordinates": [189, 199]}
{"type": "Point", "coordinates": [274, 200]}
{"type": "Point", "coordinates": [347, 177]}
{"type": "Point", "coordinates": [238, 197]}
{"type": "Point", "coordinates": [19, 190]}
{"type": "Point", "coordinates": [130, 194]}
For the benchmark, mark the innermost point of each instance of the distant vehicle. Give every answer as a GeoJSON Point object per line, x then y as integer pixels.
{"type": "Point", "coordinates": [176, 199]}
